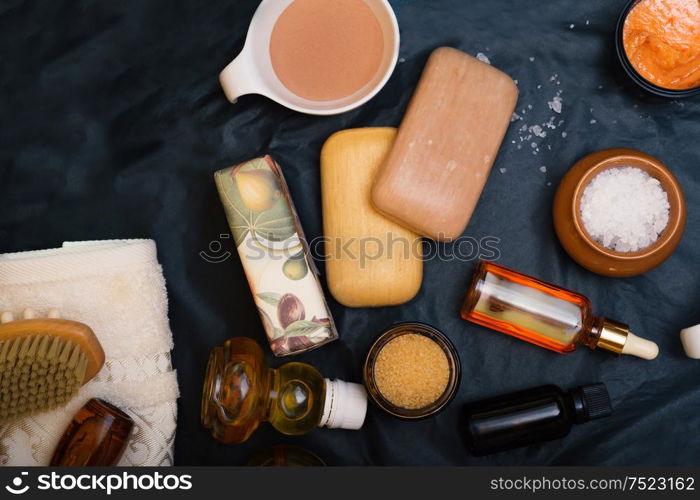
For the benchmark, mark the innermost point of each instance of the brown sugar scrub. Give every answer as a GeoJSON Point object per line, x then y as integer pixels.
{"type": "Point", "coordinates": [325, 50]}
{"type": "Point", "coordinates": [411, 371]}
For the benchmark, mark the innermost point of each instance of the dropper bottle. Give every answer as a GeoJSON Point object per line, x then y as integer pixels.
{"type": "Point", "coordinates": [545, 314]}
{"type": "Point", "coordinates": [241, 391]}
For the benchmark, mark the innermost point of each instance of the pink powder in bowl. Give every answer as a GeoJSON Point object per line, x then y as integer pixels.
{"type": "Point", "coordinates": [325, 50]}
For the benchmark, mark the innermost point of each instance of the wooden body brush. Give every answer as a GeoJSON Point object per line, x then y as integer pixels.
{"type": "Point", "coordinates": [43, 362]}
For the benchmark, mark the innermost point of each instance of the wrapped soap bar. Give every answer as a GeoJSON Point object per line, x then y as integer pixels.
{"type": "Point", "coordinates": [446, 145]}
{"type": "Point", "coordinates": [371, 261]}
{"type": "Point", "coordinates": [275, 256]}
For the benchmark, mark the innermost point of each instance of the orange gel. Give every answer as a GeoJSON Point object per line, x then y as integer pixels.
{"type": "Point", "coordinates": [662, 42]}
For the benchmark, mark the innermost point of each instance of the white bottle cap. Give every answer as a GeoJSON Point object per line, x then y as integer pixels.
{"type": "Point", "coordinates": [637, 346]}
{"type": "Point", "coordinates": [691, 341]}
{"type": "Point", "coordinates": [345, 405]}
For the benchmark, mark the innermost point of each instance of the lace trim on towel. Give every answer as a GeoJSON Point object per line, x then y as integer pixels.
{"type": "Point", "coordinates": [131, 369]}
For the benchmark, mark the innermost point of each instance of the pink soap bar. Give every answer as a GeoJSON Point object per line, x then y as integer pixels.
{"type": "Point", "coordinates": [446, 145]}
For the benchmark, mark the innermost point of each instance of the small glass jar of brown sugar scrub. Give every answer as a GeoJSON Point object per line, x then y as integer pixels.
{"type": "Point", "coordinates": [412, 371]}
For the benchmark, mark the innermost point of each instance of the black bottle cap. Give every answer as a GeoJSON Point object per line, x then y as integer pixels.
{"type": "Point", "coordinates": [591, 402]}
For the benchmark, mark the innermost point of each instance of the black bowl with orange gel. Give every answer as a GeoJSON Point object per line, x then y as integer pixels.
{"type": "Point", "coordinates": [661, 76]}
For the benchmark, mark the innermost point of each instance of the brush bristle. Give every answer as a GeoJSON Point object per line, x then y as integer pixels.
{"type": "Point", "coordinates": [37, 373]}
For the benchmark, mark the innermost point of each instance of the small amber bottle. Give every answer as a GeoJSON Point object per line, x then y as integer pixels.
{"type": "Point", "coordinates": [97, 436]}
{"type": "Point", "coordinates": [545, 314]}
{"type": "Point", "coordinates": [240, 392]}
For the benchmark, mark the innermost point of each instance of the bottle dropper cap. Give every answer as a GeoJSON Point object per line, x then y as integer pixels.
{"type": "Point", "coordinates": [642, 348]}
{"type": "Point", "coordinates": [345, 405]}
{"type": "Point", "coordinates": [591, 402]}
{"type": "Point", "coordinates": [691, 341]}
{"type": "Point", "coordinates": [617, 338]}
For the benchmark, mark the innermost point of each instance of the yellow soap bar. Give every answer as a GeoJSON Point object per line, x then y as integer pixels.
{"type": "Point", "coordinates": [370, 260]}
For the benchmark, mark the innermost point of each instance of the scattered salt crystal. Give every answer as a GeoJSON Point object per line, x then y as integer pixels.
{"type": "Point", "coordinates": [549, 183]}
{"type": "Point", "coordinates": [625, 209]}
{"type": "Point", "coordinates": [529, 106]}
{"type": "Point", "coordinates": [514, 117]}
{"type": "Point", "coordinates": [564, 134]}
{"type": "Point", "coordinates": [555, 104]}
{"type": "Point", "coordinates": [502, 170]}
{"type": "Point", "coordinates": [482, 57]}
{"type": "Point", "coordinates": [534, 145]}
{"type": "Point", "coordinates": [593, 121]}
{"type": "Point", "coordinates": [532, 59]}
{"type": "Point", "coordinates": [587, 22]}
{"type": "Point", "coordinates": [537, 130]}
{"type": "Point", "coordinates": [539, 86]}
{"type": "Point", "coordinates": [402, 60]}
{"type": "Point", "coordinates": [571, 26]}
{"type": "Point", "coordinates": [543, 169]}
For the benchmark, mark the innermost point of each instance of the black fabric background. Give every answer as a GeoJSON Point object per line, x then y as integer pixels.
{"type": "Point", "coordinates": [112, 123]}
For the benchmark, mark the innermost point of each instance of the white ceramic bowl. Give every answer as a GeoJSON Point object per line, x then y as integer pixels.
{"type": "Point", "coordinates": [252, 72]}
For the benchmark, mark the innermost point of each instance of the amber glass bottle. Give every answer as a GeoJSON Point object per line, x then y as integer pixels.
{"type": "Point", "coordinates": [240, 392]}
{"type": "Point", "coordinates": [97, 436]}
{"type": "Point", "coordinates": [545, 314]}
{"type": "Point", "coordinates": [285, 456]}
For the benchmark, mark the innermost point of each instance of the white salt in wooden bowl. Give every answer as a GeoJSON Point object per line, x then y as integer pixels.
{"type": "Point", "coordinates": [585, 249]}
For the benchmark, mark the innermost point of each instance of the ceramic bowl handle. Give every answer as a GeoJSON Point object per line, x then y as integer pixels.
{"type": "Point", "coordinates": [240, 77]}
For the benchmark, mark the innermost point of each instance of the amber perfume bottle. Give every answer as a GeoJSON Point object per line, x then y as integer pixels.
{"type": "Point", "coordinates": [545, 314]}
{"type": "Point", "coordinates": [285, 456]}
{"type": "Point", "coordinates": [241, 391]}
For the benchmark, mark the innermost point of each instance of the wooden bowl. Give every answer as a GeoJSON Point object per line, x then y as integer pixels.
{"type": "Point", "coordinates": [586, 250]}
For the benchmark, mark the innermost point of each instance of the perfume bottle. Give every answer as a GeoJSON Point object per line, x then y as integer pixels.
{"type": "Point", "coordinates": [545, 314]}
{"type": "Point", "coordinates": [241, 391]}
{"type": "Point", "coordinates": [530, 416]}
{"type": "Point", "coordinates": [285, 456]}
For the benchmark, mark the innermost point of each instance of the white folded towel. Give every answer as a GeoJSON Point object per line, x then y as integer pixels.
{"type": "Point", "coordinates": [117, 288]}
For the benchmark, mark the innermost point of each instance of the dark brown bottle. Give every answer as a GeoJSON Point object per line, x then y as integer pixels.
{"type": "Point", "coordinates": [97, 436]}
{"type": "Point", "coordinates": [530, 416]}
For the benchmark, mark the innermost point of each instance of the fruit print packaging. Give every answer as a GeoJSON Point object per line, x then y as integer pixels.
{"type": "Point", "coordinates": [275, 256]}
